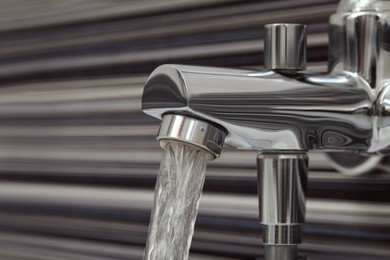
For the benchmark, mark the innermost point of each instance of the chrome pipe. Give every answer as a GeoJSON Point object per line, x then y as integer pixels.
{"type": "Point", "coordinates": [285, 47]}
{"type": "Point", "coordinates": [290, 252]}
{"type": "Point", "coordinates": [359, 41]}
{"type": "Point", "coordinates": [282, 181]}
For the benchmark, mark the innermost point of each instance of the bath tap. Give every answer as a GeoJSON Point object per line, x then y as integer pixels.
{"type": "Point", "coordinates": [284, 112]}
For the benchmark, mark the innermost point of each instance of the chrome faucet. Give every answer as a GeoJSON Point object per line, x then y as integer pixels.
{"type": "Point", "coordinates": [284, 112]}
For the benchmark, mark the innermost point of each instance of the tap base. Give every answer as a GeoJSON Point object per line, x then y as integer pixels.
{"type": "Point", "coordinates": [282, 180]}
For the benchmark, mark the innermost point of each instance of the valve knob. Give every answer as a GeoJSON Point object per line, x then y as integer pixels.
{"type": "Point", "coordinates": [285, 47]}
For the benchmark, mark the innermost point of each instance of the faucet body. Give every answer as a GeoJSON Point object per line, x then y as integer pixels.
{"type": "Point", "coordinates": [347, 109]}
{"type": "Point", "coordinates": [266, 110]}
{"type": "Point", "coordinates": [284, 111]}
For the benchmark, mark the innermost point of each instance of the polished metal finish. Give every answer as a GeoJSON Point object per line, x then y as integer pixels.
{"type": "Point", "coordinates": [285, 47]}
{"type": "Point", "coordinates": [360, 42]}
{"type": "Point", "coordinates": [273, 252]}
{"type": "Point", "coordinates": [265, 110]}
{"type": "Point", "coordinates": [192, 131]}
{"type": "Point", "coordinates": [346, 110]}
{"type": "Point", "coordinates": [286, 234]}
{"type": "Point", "coordinates": [287, 112]}
{"type": "Point", "coordinates": [282, 195]}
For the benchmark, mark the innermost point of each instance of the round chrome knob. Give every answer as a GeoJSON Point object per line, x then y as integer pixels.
{"type": "Point", "coordinates": [285, 46]}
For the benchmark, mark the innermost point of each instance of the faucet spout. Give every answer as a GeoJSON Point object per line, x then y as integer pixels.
{"type": "Point", "coordinates": [266, 110]}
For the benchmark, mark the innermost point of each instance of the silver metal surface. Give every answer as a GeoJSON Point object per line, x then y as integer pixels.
{"type": "Point", "coordinates": [360, 44]}
{"type": "Point", "coordinates": [191, 131]}
{"type": "Point", "coordinates": [359, 41]}
{"type": "Point", "coordinates": [264, 110]}
{"type": "Point", "coordinates": [272, 252]}
{"type": "Point", "coordinates": [283, 234]}
{"type": "Point", "coordinates": [291, 113]}
{"type": "Point", "coordinates": [282, 180]}
{"type": "Point", "coordinates": [285, 47]}
{"type": "Point", "coordinates": [345, 110]}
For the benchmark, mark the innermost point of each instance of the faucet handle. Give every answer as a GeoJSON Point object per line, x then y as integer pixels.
{"type": "Point", "coordinates": [285, 47]}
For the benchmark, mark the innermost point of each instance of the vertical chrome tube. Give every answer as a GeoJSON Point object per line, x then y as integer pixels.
{"type": "Point", "coordinates": [363, 46]}
{"type": "Point", "coordinates": [285, 47]}
{"type": "Point", "coordinates": [289, 252]}
{"type": "Point", "coordinates": [282, 179]}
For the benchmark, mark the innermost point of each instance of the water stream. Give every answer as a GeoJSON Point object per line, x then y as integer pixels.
{"type": "Point", "coordinates": [176, 201]}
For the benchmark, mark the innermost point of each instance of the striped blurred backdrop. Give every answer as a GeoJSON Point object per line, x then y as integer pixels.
{"type": "Point", "coordinates": [78, 159]}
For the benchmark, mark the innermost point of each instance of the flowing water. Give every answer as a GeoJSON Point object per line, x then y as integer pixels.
{"type": "Point", "coordinates": [176, 201]}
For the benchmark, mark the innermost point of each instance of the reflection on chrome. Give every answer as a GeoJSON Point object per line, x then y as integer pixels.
{"type": "Point", "coordinates": [282, 191]}
{"type": "Point", "coordinates": [267, 111]}
{"type": "Point", "coordinates": [286, 111]}
{"type": "Point", "coordinates": [281, 253]}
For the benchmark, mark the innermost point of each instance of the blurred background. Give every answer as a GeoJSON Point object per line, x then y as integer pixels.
{"type": "Point", "coordinates": [78, 158]}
